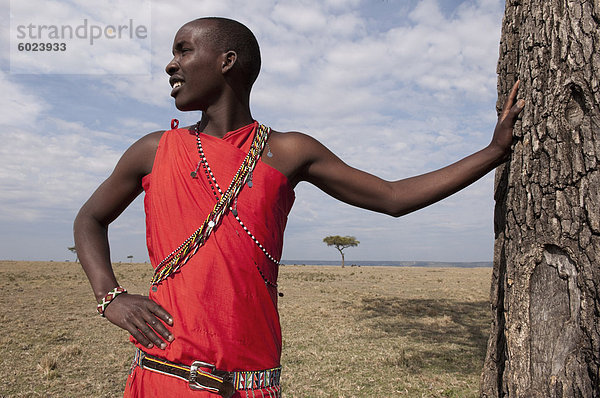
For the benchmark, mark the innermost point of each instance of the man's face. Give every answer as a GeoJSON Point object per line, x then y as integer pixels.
{"type": "Point", "coordinates": [195, 69]}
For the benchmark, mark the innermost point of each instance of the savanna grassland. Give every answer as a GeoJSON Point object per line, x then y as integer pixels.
{"type": "Point", "coordinates": [348, 332]}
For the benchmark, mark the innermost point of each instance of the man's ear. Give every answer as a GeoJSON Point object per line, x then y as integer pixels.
{"type": "Point", "coordinates": [229, 59]}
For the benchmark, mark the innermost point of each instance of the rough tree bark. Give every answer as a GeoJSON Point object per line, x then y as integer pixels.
{"type": "Point", "coordinates": [545, 337]}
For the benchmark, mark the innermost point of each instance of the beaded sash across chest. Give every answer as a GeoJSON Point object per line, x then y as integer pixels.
{"type": "Point", "coordinates": [180, 256]}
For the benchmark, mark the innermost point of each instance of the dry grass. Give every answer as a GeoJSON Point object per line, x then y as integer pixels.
{"type": "Point", "coordinates": [352, 332]}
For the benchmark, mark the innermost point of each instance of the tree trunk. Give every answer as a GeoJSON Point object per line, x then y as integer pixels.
{"type": "Point", "coordinates": [545, 337]}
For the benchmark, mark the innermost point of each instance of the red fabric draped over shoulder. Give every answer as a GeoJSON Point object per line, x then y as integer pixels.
{"type": "Point", "coordinates": [223, 311]}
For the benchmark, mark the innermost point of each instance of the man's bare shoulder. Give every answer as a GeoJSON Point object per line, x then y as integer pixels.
{"type": "Point", "coordinates": [151, 139]}
{"type": "Point", "coordinates": [292, 152]}
{"type": "Point", "coordinates": [301, 143]}
{"type": "Point", "coordinates": [294, 139]}
{"type": "Point", "coordinates": [148, 144]}
{"type": "Point", "coordinates": [139, 157]}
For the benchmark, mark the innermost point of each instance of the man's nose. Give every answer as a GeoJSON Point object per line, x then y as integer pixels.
{"type": "Point", "coordinates": [172, 67]}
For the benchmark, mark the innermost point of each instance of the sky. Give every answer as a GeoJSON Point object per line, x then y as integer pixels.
{"type": "Point", "coordinates": [396, 88]}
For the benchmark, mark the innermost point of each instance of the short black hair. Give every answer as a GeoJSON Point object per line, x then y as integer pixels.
{"type": "Point", "coordinates": [228, 35]}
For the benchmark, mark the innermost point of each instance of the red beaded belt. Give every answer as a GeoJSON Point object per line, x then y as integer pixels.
{"type": "Point", "coordinates": [203, 376]}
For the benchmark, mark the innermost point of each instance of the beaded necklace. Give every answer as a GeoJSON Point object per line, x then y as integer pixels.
{"type": "Point", "coordinates": [214, 184]}
{"type": "Point", "coordinates": [180, 256]}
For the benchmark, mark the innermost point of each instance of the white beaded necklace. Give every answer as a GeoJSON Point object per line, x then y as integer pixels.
{"type": "Point", "coordinates": [214, 184]}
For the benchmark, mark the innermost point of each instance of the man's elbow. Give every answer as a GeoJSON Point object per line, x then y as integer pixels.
{"type": "Point", "coordinates": [397, 208]}
{"type": "Point", "coordinates": [86, 220]}
{"type": "Point", "coordinates": [393, 209]}
{"type": "Point", "coordinates": [397, 213]}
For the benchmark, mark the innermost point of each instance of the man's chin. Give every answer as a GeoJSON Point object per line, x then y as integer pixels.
{"type": "Point", "coordinates": [183, 107]}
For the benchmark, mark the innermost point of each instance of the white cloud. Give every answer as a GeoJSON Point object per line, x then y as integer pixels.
{"type": "Point", "coordinates": [341, 77]}
{"type": "Point", "coordinates": [300, 18]}
{"type": "Point", "coordinates": [17, 104]}
{"type": "Point", "coordinates": [41, 174]}
{"type": "Point", "coordinates": [142, 125]}
{"type": "Point", "coordinates": [152, 90]}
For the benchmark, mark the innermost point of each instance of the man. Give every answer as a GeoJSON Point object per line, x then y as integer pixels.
{"type": "Point", "coordinates": [210, 322]}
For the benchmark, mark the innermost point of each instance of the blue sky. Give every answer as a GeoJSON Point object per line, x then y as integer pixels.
{"type": "Point", "coordinates": [396, 88]}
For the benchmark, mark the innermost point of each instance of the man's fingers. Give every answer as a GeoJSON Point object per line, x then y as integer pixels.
{"type": "Point", "coordinates": [518, 107]}
{"type": "Point", "coordinates": [140, 338]}
{"type": "Point", "coordinates": [510, 101]}
{"type": "Point", "coordinates": [161, 313]}
{"type": "Point", "coordinates": [145, 328]}
{"type": "Point", "coordinates": [143, 318]}
{"type": "Point", "coordinates": [511, 109]}
{"type": "Point", "coordinates": [158, 327]}
{"type": "Point", "coordinates": [513, 112]}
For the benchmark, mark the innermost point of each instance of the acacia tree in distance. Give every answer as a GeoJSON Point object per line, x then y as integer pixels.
{"type": "Point", "coordinates": [545, 337]}
{"type": "Point", "coordinates": [341, 243]}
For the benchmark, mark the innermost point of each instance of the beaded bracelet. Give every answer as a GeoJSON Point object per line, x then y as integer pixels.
{"type": "Point", "coordinates": [110, 296]}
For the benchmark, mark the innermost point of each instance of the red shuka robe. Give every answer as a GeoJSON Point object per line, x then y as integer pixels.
{"type": "Point", "coordinates": [223, 311]}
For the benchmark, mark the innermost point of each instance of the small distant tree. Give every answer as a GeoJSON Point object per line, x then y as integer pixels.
{"type": "Point", "coordinates": [340, 243]}
{"type": "Point", "coordinates": [74, 250]}
{"type": "Point", "coordinates": [130, 258]}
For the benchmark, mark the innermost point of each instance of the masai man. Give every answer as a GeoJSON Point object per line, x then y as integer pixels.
{"type": "Point", "coordinates": [217, 196]}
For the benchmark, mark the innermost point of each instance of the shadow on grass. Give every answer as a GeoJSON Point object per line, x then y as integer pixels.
{"type": "Point", "coordinates": [444, 334]}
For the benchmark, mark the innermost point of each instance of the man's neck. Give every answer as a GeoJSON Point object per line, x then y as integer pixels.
{"type": "Point", "coordinates": [220, 119]}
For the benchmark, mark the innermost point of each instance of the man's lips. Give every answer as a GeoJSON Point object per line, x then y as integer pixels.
{"type": "Point", "coordinates": [176, 82]}
{"type": "Point", "coordinates": [176, 86]}
{"type": "Point", "coordinates": [175, 79]}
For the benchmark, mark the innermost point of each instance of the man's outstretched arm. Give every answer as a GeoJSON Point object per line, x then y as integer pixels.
{"type": "Point", "coordinates": [397, 198]}
{"type": "Point", "coordinates": [135, 313]}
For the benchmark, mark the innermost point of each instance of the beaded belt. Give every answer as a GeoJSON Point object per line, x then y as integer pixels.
{"type": "Point", "coordinates": [203, 376]}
